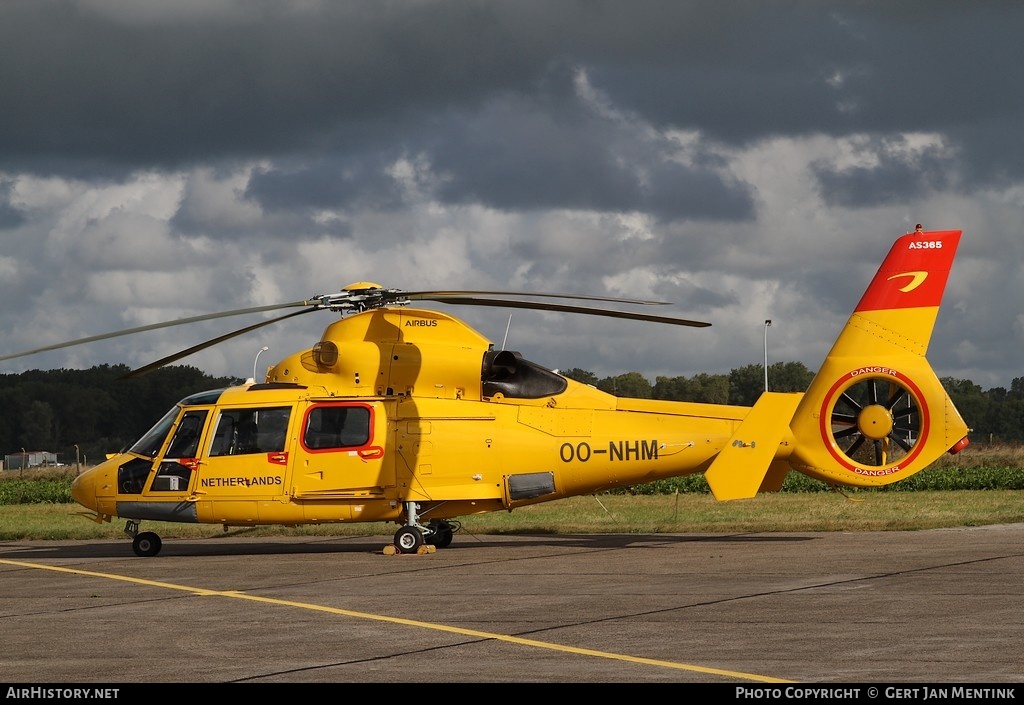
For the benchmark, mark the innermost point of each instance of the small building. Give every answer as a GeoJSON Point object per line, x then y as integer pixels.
{"type": "Point", "coordinates": [29, 459]}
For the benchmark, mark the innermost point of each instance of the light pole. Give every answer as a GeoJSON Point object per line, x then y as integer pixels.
{"type": "Point", "coordinates": [78, 460]}
{"type": "Point", "coordinates": [767, 324]}
{"type": "Point", "coordinates": [261, 351]}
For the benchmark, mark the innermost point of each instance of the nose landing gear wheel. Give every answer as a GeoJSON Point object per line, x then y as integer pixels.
{"type": "Point", "coordinates": [146, 544]}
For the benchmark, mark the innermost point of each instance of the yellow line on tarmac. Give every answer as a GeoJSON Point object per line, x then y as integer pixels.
{"type": "Point", "coordinates": [407, 622]}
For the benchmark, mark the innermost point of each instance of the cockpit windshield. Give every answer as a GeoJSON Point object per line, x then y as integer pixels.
{"type": "Point", "coordinates": [151, 443]}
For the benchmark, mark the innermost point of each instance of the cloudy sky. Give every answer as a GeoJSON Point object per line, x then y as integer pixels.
{"type": "Point", "coordinates": [742, 160]}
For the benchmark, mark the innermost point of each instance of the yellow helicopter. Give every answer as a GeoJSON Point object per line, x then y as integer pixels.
{"type": "Point", "coordinates": [409, 416]}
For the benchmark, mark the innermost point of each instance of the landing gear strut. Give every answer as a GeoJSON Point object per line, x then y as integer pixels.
{"type": "Point", "coordinates": [437, 532]}
{"type": "Point", "coordinates": [146, 543]}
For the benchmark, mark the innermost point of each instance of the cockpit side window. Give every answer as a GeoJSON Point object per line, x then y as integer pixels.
{"type": "Point", "coordinates": [175, 471]}
{"type": "Point", "coordinates": [186, 439]}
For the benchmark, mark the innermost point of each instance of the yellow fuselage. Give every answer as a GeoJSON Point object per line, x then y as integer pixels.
{"type": "Point", "coordinates": [453, 456]}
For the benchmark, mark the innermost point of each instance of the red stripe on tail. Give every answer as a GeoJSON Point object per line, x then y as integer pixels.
{"type": "Point", "coordinates": [914, 273]}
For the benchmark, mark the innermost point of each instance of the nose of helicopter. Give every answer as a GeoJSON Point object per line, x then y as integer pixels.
{"type": "Point", "coordinates": [83, 489]}
{"type": "Point", "coordinates": [96, 488]}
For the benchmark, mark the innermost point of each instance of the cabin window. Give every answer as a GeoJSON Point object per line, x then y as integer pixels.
{"type": "Point", "coordinates": [329, 427]}
{"type": "Point", "coordinates": [246, 431]}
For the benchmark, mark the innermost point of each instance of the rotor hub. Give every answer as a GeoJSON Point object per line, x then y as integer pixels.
{"type": "Point", "coordinates": [875, 422]}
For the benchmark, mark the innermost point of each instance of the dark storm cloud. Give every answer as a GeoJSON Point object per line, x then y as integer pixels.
{"type": "Point", "coordinates": [901, 175]}
{"type": "Point", "coordinates": [743, 71]}
{"type": "Point", "coordinates": [515, 151]}
{"type": "Point", "coordinates": [543, 150]}
{"type": "Point", "coordinates": [267, 80]}
{"type": "Point", "coordinates": [744, 159]}
{"type": "Point", "coordinates": [91, 92]}
{"type": "Point", "coordinates": [334, 181]}
{"type": "Point", "coordinates": [548, 151]}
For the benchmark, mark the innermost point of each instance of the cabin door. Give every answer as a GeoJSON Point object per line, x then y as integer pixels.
{"type": "Point", "coordinates": [342, 452]}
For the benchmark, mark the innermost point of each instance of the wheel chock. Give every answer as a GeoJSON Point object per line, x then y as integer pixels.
{"type": "Point", "coordinates": [391, 550]}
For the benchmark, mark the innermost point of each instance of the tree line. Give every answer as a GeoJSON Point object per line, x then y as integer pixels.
{"type": "Point", "coordinates": [83, 414]}
{"type": "Point", "coordinates": [96, 409]}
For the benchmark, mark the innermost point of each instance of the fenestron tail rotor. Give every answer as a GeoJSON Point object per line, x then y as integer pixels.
{"type": "Point", "coordinates": [363, 296]}
{"type": "Point", "coordinates": [876, 421]}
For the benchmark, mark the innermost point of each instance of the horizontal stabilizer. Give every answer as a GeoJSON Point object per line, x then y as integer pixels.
{"type": "Point", "coordinates": [748, 463]}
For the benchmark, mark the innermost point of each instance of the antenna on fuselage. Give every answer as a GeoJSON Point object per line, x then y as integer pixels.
{"type": "Point", "coordinates": [507, 326]}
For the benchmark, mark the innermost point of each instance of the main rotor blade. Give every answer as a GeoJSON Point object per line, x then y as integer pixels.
{"type": "Point", "coordinates": [154, 326]}
{"type": "Point", "coordinates": [209, 343]}
{"type": "Point", "coordinates": [569, 309]}
{"type": "Point", "coordinates": [338, 302]}
{"type": "Point", "coordinates": [435, 295]}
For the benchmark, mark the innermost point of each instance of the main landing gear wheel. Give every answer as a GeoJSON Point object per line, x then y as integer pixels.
{"type": "Point", "coordinates": [876, 421]}
{"type": "Point", "coordinates": [441, 534]}
{"type": "Point", "coordinates": [146, 544]}
{"type": "Point", "coordinates": [408, 539]}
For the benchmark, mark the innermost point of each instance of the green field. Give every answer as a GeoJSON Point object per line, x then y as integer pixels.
{"type": "Point", "coordinates": [682, 513]}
